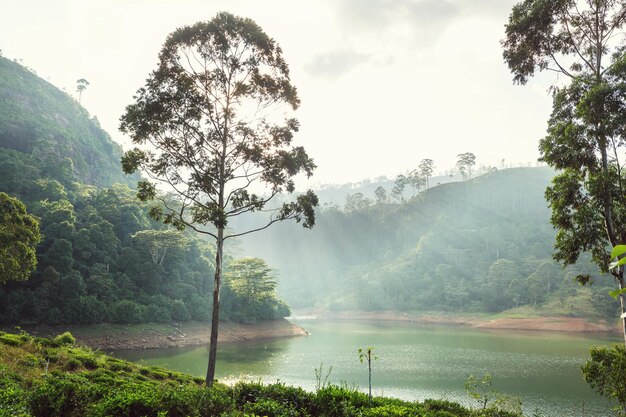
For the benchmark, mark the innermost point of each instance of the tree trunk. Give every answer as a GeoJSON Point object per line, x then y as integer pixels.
{"type": "Point", "coordinates": [215, 317]}
{"type": "Point", "coordinates": [622, 303]}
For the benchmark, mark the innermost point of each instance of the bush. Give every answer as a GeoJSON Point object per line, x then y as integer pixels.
{"type": "Point", "coordinates": [127, 311]}
{"type": "Point", "coordinates": [179, 311]}
{"type": "Point", "coordinates": [606, 373]}
{"type": "Point", "coordinates": [60, 396]}
{"type": "Point", "coordinates": [65, 339]}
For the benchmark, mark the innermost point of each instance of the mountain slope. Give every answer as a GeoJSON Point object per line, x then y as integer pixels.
{"type": "Point", "coordinates": [38, 119]}
{"type": "Point", "coordinates": [479, 245]}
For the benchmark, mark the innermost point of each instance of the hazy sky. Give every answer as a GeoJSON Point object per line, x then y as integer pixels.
{"type": "Point", "coordinates": [383, 83]}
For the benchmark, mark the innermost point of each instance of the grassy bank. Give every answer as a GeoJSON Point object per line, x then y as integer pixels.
{"type": "Point", "coordinates": [53, 377]}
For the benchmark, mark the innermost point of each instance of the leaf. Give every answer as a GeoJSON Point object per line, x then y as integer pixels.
{"type": "Point", "coordinates": [615, 264]}
{"type": "Point", "coordinates": [618, 250]}
{"type": "Point", "coordinates": [616, 293]}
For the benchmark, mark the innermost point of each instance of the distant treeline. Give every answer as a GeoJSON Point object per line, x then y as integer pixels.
{"type": "Point", "coordinates": [483, 245]}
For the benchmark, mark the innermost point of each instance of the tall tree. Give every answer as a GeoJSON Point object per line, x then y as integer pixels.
{"type": "Point", "coordinates": [381, 195]}
{"type": "Point", "coordinates": [81, 85]}
{"type": "Point", "coordinates": [216, 118]}
{"type": "Point", "coordinates": [582, 40]}
{"type": "Point", "coordinates": [465, 162]}
{"type": "Point", "coordinates": [19, 234]}
{"type": "Point", "coordinates": [426, 168]}
{"type": "Point", "coordinates": [398, 188]}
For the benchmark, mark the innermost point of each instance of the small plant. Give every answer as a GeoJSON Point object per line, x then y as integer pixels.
{"type": "Point", "coordinates": [366, 355]}
{"type": "Point", "coordinates": [480, 389]}
{"type": "Point", "coordinates": [321, 380]}
{"type": "Point", "coordinates": [65, 339]}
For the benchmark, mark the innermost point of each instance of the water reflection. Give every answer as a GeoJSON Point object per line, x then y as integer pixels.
{"type": "Point", "coordinates": [415, 362]}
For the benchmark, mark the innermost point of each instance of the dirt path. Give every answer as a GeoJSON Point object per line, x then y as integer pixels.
{"type": "Point", "coordinates": [156, 335]}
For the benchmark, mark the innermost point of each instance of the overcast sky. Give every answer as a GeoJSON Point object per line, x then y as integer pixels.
{"type": "Point", "coordinates": [383, 83]}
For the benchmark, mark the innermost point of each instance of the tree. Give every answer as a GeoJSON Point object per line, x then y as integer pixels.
{"type": "Point", "coordinates": [19, 235]}
{"type": "Point", "coordinates": [381, 195]}
{"type": "Point", "coordinates": [584, 42]}
{"type": "Point", "coordinates": [214, 121]}
{"type": "Point", "coordinates": [606, 372]}
{"type": "Point", "coordinates": [465, 162]}
{"type": "Point", "coordinates": [81, 85]}
{"type": "Point", "coordinates": [398, 187]}
{"type": "Point", "coordinates": [159, 242]}
{"type": "Point", "coordinates": [426, 168]}
{"type": "Point", "coordinates": [357, 202]}
{"type": "Point", "coordinates": [416, 181]}
{"type": "Point", "coordinates": [251, 277]}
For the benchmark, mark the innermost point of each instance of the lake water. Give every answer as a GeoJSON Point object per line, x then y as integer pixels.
{"type": "Point", "coordinates": [414, 362]}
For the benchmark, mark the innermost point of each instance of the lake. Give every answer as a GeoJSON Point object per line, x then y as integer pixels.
{"type": "Point", "coordinates": [414, 362]}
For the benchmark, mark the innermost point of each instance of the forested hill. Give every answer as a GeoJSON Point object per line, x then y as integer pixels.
{"type": "Point", "coordinates": [102, 258]}
{"type": "Point", "coordinates": [39, 120]}
{"type": "Point", "coordinates": [478, 245]}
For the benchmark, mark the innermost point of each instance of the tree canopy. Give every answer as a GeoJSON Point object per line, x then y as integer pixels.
{"type": "Point", "coordinates": [19, 235]}
{"type": "Point", "coordinates": [214, 124]}
{"type": "Point", "coordinates": [584, 42]}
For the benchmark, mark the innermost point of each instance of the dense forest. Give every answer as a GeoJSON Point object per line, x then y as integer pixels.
{"type": "Point", "coordinates": [481, 245]}
{"type": "Point", "coordinates": [102, 258]}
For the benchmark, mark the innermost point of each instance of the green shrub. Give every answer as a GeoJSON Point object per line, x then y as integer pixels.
{"type": "Point", "coordinates": [444, 405]}
{"type": "Point", "coordinates": [65, 339]}
{"type": "Point", "coordinates": [88, 361]}
{"type": "Point", "coordinates": [11, 339]}
{"type": "Point", "coordinates": [29, 360]}
{"type": "Point", "coordinates": [72, 364]}
{"type": "Point", "coordinates": [390, 410]}
{"type": "Point", "coordinates": [127, 311]}
{"type": "Point", "coordinates": [130, 400]}
{"type": "Point", "coordinates": [64, 395]}
{"type": "Point", "coordinates": [266, 408]}
{"type": "Point", "coordinates": [606, 373]}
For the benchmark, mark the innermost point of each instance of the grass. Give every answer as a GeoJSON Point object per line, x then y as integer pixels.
{"type": "Point", "coordinates": [43, 377]}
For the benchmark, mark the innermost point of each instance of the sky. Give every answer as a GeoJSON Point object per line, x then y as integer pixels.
{"type": "Point", "coordinates": [383, 83]}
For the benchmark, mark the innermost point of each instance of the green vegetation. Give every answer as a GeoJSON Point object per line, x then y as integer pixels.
{"type": "Point", "coordinates": [49, 126]}
{"type": "Point", "coordinates": [54, 378]}
{"type": "Point", "coordinates": [585, 137]}
{"type": "Point", "coordinates": [101, 257]}
{"type": "Point", "coordinates": [209, 144]}
{"type": "Point", "coordinates": [483, 245]}
{"type": "Point", "coordinates": [19, 233]}
{"type": "Point", "coordinates": [606, 373]}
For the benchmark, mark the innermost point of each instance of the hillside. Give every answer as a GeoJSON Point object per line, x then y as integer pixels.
{"type": "Point", "coordinates": [39, 120]}
{"type": "Point", "coordinates": [102, 258]}
{"type": "Point", "coordinates": [483, 245]}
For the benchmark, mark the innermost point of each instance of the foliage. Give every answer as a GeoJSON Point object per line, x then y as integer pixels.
{"type": "Point", "coordinates": [606, 373]}
{"type": "Point", "coordinates": [42, 122]}
{"type": "Point", "coordinates": [464, 163]}
{"type": "Point", "coordinates": [389, 256]}
{"type": "Point", "coordinates": [19, 234]}
{"type": "Point", "coordinates": [585, 137]}
{"type": "Point", "coordinates": [366, 355]}
{"type": "Point", "coordinates": [211, 122]}
{"type": "Point", "coordinates": [95, 385]}
{"type": "Point", "coordinates": [101, 253]}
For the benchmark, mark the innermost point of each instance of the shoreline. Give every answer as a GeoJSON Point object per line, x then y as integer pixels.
{"type": "Point", "coordinates": [477, 321]}
{"type": "Point", "coordinates": [108, 336]}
